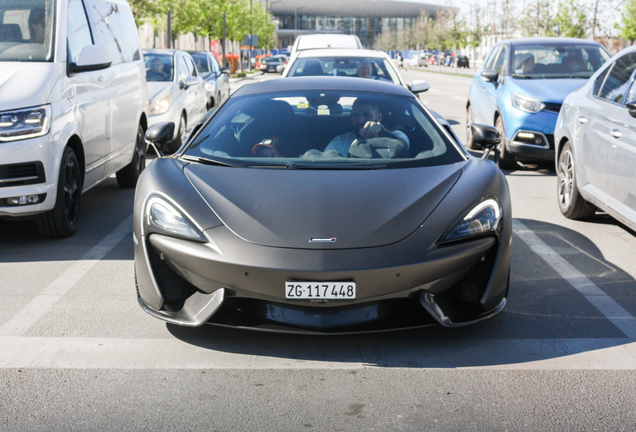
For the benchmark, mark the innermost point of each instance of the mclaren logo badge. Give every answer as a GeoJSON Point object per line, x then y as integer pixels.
{"type": "Point", "coordinates": [322, 240]}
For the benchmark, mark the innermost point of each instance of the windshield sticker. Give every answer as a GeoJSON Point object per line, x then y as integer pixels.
{"type": "Point", "coordinates": [302, 105]}
{"type": "Point", "coordinates": [323, 110]}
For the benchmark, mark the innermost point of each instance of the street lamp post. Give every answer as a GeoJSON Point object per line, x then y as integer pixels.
{"type": "Point", "coordinates": [296, 21]}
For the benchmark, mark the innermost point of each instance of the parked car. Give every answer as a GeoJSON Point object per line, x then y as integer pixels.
{"type": "Point", "coordinates": [60, 79]}
{"type": "Point", "coordinates": [321, 41]}
{"type": "Point", "coordinates": [356, 63]}
{"type": "Point", "coordinates": [273, 64]}
{"type": "Point", "coordinates": [216, 79]}
{"type": "Point", "coordinates": [521, 87]}
{"type": "Point", "coordinates": [422, 59]}
{"type": "Point", "coordinates": [596, 144]}
{"type": "Point", "coordinates": [462, 61]}
{"type": "Point", "coordinates": [432, 59]}
{"type": "Point", "coordinates": [420, 234]}
{"type": "Point", "coordinates": [175, 91]}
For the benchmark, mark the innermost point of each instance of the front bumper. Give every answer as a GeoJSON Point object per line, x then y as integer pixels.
{"type": "Point", "coordinates": [235, 283]}
{"type": "Point", "coordinates": [541, 124]}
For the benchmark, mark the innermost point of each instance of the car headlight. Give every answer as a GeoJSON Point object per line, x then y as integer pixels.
{"type": "Point", "coordinates": [163, 217]}
{"type": "Point", "coordinates": [483, 218]}
{"type": "Point", "coordinates": [25, 123]}
{"type": "Point", "coordinates": [160, 105]}
{"type": "Point", "coordinates": [208, 86]}
{"type": "Point", "coordinates": [527, 103]}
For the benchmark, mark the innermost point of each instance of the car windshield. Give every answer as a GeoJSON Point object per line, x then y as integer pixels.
{"type": "Point", "coordinates": [201, 61]}
{"type": "Point", "coordinates": [557, 60]}
{"type": "Point", "coordinates": [26, 30]}
{"type": "Point", "coordinates": [321, 129]}
{"type": "Point", "coordinates": [159, 67]}
{"type": "Point", "coordinates": [363, 67]}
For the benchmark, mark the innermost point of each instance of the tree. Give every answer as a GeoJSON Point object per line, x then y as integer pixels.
{"type": "Point", "coordinates": [538, 20]}
{"type": "Point", "coordinates": [477, 29]}
{"type": "Point", "coordinates": [423, 27]}
{"type": "Point", "coordinates": [628, 29]}
{"type": "Point", "coordinates": [571, 19]}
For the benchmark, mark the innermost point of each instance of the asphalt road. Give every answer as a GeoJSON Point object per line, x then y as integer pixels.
{"type": "Point", "coordinates": [78, 353]}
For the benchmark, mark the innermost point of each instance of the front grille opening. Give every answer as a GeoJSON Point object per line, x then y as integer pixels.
{"type": "Point", "coordinates": [22, 174]}
{"type": "Point", "coordinates": [463, 298]}
{"type": "Point", "coordinates": [174, 288]}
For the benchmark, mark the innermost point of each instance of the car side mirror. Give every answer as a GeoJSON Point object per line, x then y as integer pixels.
{"type": "Point", "coordinates": [91, 58]}
{"type": "Point", "coordinates": [225, 70]}
{"type": "Point", "coordinates": [631, 108]}
{"type": "Point", "coordinates": [188, 82]}
{"type": "Point", "coordinates": [490, 75]}
{"type": "Point", "coordinates": [419, 86]}
{"type": "Point", "coordinates": [158, 135]}
{"type": "Point", "coordinates": [485, 136]}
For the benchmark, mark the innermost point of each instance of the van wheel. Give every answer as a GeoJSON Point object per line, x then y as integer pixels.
{"type": "Point", "coordinates": [128, 175]}
{"type": "Point", "coordinates": [506, 159]}
{"type": "Point", "coordinates": [61, 221]}
{"type": "Point", "coordinates": [571, 203]}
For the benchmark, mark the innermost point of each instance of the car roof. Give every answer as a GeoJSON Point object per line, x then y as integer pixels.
{"type": "Point", "coordinates": [338, 52]}
{"type": "Point", "coordinates": [549, 40]}
{"type": "Point", "coordinates": [316, 83]}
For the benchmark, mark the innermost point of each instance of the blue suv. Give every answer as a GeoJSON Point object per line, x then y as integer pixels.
{"type": "Point", "coordinates": [520, 89]}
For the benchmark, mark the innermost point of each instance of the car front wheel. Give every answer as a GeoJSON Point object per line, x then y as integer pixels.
{"type": "Point", "coordinates": [128, 175]}
{"type": "Point", "coordinates": [469, 132]}
{"type": "Point", "coordinates": [61, 221]}
{"type": "Point", "coordinates": [571, 203]}
{"type": "Point", "coordinates": [506, 159]}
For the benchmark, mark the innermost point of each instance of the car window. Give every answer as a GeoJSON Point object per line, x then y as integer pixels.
{"type": "Point", "coordinates": [201, 62]}
{"type": "Point", "coordinates": [183, 69]}
{"type": "Point", "coordinates": [618, 81]}
{"type": "Point", "coordinates": [26, 30]}
{"type": "Point", "coordinates": [550, 60]}
{"type": "Point", "coordinates": [192, 70]}
{"type": "Point", "coordinates": [78, 32]}
{"type": "Point", "coordinates": [215, 65]}
{"type": "Point", "coordinates": [500, 63]}
{"type": "Point", "coordinates": [159, 67]}
{"type": "Point", "coordinates": [491, 58]}
{"type": "Point", "coordinates": [365, 67]}
{"type": "Point", "coordinates": [319, 129]}
{"type": "Point", "coordinates": [114, 28]}
{"type": "Point", "coordinates": [598, 83]}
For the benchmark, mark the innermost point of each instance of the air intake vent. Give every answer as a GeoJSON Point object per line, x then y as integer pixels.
{"type": "Point", "coordinates": [21, 174]}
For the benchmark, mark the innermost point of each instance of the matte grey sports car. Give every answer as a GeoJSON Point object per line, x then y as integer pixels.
{"type": "Point", "coordinates": [322, 205]}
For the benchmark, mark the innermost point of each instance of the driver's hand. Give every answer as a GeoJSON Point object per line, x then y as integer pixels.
{"type": "Point", "coordinates": [370, 129]}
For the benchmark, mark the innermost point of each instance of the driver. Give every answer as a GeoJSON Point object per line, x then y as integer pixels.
{"type": "Point", "coordinates": [156, 70]}
{"type": "Point", "coordinates": [526, 64]}
{"type": "Point", "coordinates": [36, 25]}
{"type": "Point", "coordinates": [366, 120]}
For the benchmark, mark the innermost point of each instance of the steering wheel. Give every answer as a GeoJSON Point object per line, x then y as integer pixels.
{"type": "Point", "coordinates": [384, 146]}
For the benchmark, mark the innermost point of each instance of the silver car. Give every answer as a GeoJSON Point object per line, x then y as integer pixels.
{"type": "Point", "coordinates": [596, 144]}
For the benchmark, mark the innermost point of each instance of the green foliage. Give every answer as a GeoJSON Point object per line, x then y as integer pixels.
{"type": "Point", "coordinates": [571, 19]}
{"type": "Point", "coordinates": [628, 29]}
{"type": "Point", "coordinates": [205, 18]}
{"type": "Point", "coordinates": [537, 19]}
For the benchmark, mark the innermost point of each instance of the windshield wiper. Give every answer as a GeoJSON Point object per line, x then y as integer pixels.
{"type": "Point", "coordinates": [209, 161]}
{"type": "Point", "coordinates": [522, 76]}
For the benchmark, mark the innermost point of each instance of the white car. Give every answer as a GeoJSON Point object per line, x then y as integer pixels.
{"type": "Point", "coordinates": [72, 106]}
{"type": "Point", "coordinates": [322, 41]}
{"type": "Point", "coordinates": [357, 63]}
{"type": "Point", "coordinates": [176, 92]}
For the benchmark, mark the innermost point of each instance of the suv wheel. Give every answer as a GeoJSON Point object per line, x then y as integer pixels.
{"type": "Point", "coordinates": [61, 221]}
{"type": "Point", "coordinates": [571, 203]}
{"type": "Point", "coordinates": [506, 159]}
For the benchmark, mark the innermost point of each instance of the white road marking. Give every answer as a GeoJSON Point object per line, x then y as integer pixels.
{"type": "Point", "coordinates": [614, 312]}
{"type": "Point", "coordinates": [461, 98]}
{"type": "Point", "coordinates": [503, 354]}
{"type": "Point", "coordinates": [22, 321]}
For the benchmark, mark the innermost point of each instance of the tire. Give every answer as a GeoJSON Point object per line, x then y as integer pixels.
{"type": "Point", "coordinates": [182, 134]}
{"type": "Point", "coordinates": [571, 203]}
{"type": "Point", "coordinates": [469, 134]}
{"type": "Point", "coordinates": [128, 175]}
{"type": "Point", "coordinates": [506, 160]}
{"type": "Point", "coordinates": [62, 220]}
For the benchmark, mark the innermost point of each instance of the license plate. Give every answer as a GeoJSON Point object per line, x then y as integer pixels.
{"type": "Point", "coordinates": [320, 290]}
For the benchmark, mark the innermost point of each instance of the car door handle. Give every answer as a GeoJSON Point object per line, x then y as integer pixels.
{"type": "Point", "coordinates": [582, 120]}
{"type": "Point", "coordinates": [616, 133]}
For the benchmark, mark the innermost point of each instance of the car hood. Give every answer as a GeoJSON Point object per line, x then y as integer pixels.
{"type": "Point", "coordinates": [26, 84]}
{"type": "Point", "coordinates": [357, 208]}
{"type": "Point", "coordinates": [157, 89]}
{"type": "Point", "coordinates": [547, 90]}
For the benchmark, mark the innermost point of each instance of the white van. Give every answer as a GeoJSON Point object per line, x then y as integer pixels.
{"type": "Point", "coordinates": [73, 102]}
